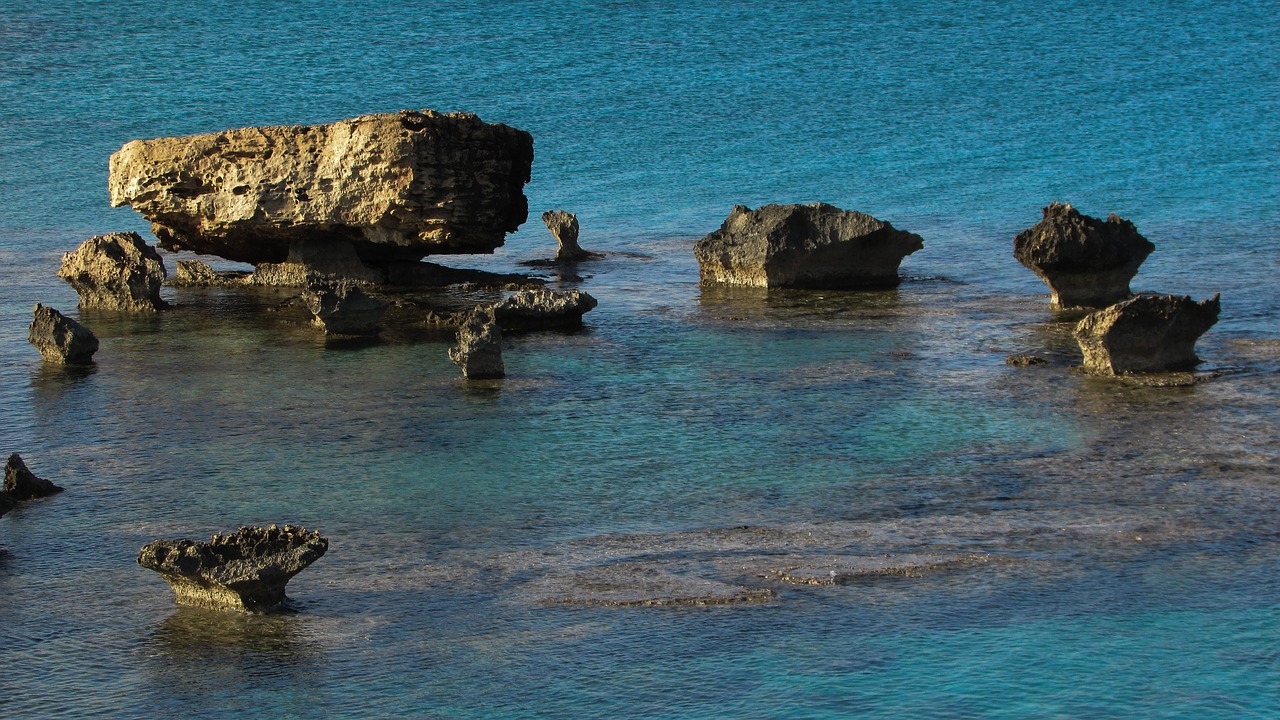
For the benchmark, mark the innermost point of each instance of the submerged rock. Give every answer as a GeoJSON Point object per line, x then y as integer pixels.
{"type": "Point", "coordinates": [1086, 262]}
{"type": "Point", "coordinates": [479, 349]}
{"type": "Point", "coordinates": [387, 187]}
{"type": "Point", "coordinates": [22, 484]}
{"type": "Point", "coordinates": [342, 308]}
{"type": "Point", "coordinates": [541, 308]}
{"type": "Point", "coordinates": [245, 571]}
{"type": "Point", "coordinates": [117, 271]}
{"type": "Point", "coordinates": [564, 227]}
{"type": "Point", "coordinates": [638, 584]}
{"type": "Point", "coordinates": [1024, 360]}
{"type": "Point", "coordinates": [1147, 333]}
{"type": "Point", "coordinates": [804, 246]}
{"type": "Point", "coordinates": [848, 570]}
{"type": "Point", "coordinates": [60, 339]}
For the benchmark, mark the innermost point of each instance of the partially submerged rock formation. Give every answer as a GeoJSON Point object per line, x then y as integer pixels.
{"type": "Point", "coordinates": [849, 570]}
{"type": "Point", "coordinates": [1024, 360]}
{"type": "Point", "coordinates": [804, 246]}
{"type": "Point", "coordinates": [245, 571]}
{"type": "Point", "coordinates": [22, 484]}
{"type": "Point", "coordinates": [479, 349]}
{"type": "Point", "coordinates": [1086, 262]}
{"type": "Point", "coordinates": [342, 308]}
{"type": "Point", "coordinates": [380, 188]}
{"type": "Point", "coordinates": [564, 228]}
{"type": "Point", "coordinates": [60, 339]}
{"type": "Point", "coordinates": [1147, 333]}
{"type": "Point", "coordinates": [543, 309]}
{"type": "Point", "coordinates": [117, 271]}
{"type": "Point", "coordinates": [633, 584]}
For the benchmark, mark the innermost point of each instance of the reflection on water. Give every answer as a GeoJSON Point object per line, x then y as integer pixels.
{"type": "Point", "coordinates": [194, 635]}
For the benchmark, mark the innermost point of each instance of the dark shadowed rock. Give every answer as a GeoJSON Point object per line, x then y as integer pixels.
{"type": "Point", "coordinates": [564, 227]}
{"type": "Point", "coordinates": [804, 246]}
{"type": "Point", "coordinates": [6, 503]}
{"type": "Point", "coordinates": [1023, 360]}
{"type": "Point", "coordinates": [479, 348]}
{"type": "Point", "coordinates": [387, 187]}
{"type": "Point", "coordinates": [22, 484]}
{"type": "Point", "coordinates": [342, 308]}
{"type": "Point", "coordinates": [541, 308]}
{"type": "Point", "coordinates": [60, 339]}
{"type": "Point", "coordinates": [1147, 333]}
{"type": "Point", "coordinates": [1086, 262]}
{"type": "Point", "coordinates": [117, 271]}
{"type": "Point", "coordinates": [245, 571]}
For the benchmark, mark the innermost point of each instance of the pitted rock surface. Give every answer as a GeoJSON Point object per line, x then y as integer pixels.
{"type": "Point", "coordinates": [1147, 333]}
{"type": "Point", "coordinates": [117, 271]}
{"type": "Point", "coordinates": [543, 308]}
{"type": "Point", "coordinates": [1086, 262]}
{"type": "Point", "coordinates": [244, 571]}
{"type": "Point", "coordinates": [479, 348]}
{"type": "Point", "coordinates": [60, 339]}
{"type": "Point", "coordinates": [804, 246]}
{"type": "Point", "coordinates": [394, 186]}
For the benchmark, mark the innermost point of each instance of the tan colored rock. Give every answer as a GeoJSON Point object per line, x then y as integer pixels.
{"type": "Point", "coordinates": [479, 348]}
{"type": "Point", "coordinates": [117, 271]}
{"type": "Point", "coordinates": [1147, 333]}
{"type": "Point", "coordinates": [564, 228]}
{"type": "Point", "coordinates": [342, 308]}
{"type": "Point", "coordinates": [60, 339]}
{"type": "Point", "coordinates": [393, 186]}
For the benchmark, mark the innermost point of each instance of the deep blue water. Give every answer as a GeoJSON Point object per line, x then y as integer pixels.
{"type": "Point", "coordinates": [1134, 560]}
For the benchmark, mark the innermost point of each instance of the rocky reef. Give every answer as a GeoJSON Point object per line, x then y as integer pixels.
{"type": "Point", "coordinates": [1147, 333]}
{"type": "Point", "coordinates": [60, 339]}
{"type": "Point", "coordinates": [245, 571]}
{"type": "Point", "coordinates": [381, 188]}
{"type": "Point", "coordinates": [342, 308]}
{"type": "Point", "coordinates": [804, 246]}
{"type": "Point", "coordinates": [1086, 262]}
{"type": "Point", "coordinates": [21, 484]}
{"type": "Point", "coordinates": [479, 348]}
{"type": "Point", "coordinates": [117, 271]}
{"type": "Point", "coordinates": [564, 228]}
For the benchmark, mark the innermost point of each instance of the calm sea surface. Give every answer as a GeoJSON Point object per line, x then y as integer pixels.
{"type": "Point", "coordinates": [1107, 550]}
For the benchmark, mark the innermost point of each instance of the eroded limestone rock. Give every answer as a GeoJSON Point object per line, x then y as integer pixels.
{"type": "Point", "coordinates": [479, 349]}
{"type": "Point", "coordinates": [804, 246]}
{"type": "Point", "coordinates": [542, 308]}
{"type": "Point", "coordinates": [244, 571]}
{"type": "Point", "coordinates": [1147, 333]}
{"type": "Point", "coordinates": [22, 484]}
{"type": "Point", "coordinates": [117, 271]}
{"type": "Point", "coordinates": [342, 308]}
{"type": "Point", "coordinates": [564, 228]}
{"type": "Point", "coordinates": [389, 187]}
{"type": "Point", "coordinates": [1086, 262]}
{"type": "Point", "coordinates": [60, 339]}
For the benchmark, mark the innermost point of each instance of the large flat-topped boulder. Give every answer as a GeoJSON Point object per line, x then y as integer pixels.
{"type": "Point", "coordinates": [396, 186]}
{"type": "Point", "coordinates": [804, 246]}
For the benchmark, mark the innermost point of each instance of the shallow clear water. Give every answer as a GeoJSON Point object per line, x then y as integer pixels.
{"type": "Point", "coordinates": [1130, 556]}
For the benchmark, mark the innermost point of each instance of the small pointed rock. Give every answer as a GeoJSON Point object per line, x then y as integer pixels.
{"type": "Point", "coordinates": [22, 484]}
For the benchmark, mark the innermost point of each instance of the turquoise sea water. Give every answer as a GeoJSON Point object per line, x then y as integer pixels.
{"type": "Point", "coordinates": [1128, 535]}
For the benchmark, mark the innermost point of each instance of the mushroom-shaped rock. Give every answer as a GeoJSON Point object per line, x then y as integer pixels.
{"type": "Point", "coordinates": [804, 246]}
{"type": "Point", "coordinates": [1147, 333]}
{"type": "Point", "coordinates": [117, 271]}
{"type": "Point", "coordinates": [392, 186]}
{"type": "Point", "coordinates": [479, 349]}
{"type": "Point", "coordinates": [564, 228]}
{"type": "Point", "coordinates": [60, 339]}
{"type": "Point", "coordinates": [1086, 262]}
{"type": "Point", "coordinates": [342, 308]}
{"type": "Point", "coordinates": [22, 484]}
{"type": "Point", "coordinates": [541, 308]}
{"type": "Point", "coordinates": [244, 571]}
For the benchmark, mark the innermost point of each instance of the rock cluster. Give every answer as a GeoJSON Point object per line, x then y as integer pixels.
{"type": "Point", "coordinates": [479, 348]}
{"type": "Point", "coordinates": [245, 571]}
{"type": "Point", "coordinates": [342, 308]}
{"type": "Point", "coordinates": [60, 339]}
{"type": "Point", "coordinates": [804, 246]}
{"type": "Point", "coordinates": [117, 271]}
{"type": "Point", "coordinates": [564, 228]}
{"type": "Point", "coordinates": [389, 187]}
{"type": "Point", "coordinates": [1086, 262]}
{"type": "Point", "coordinates": [1147, 333]}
